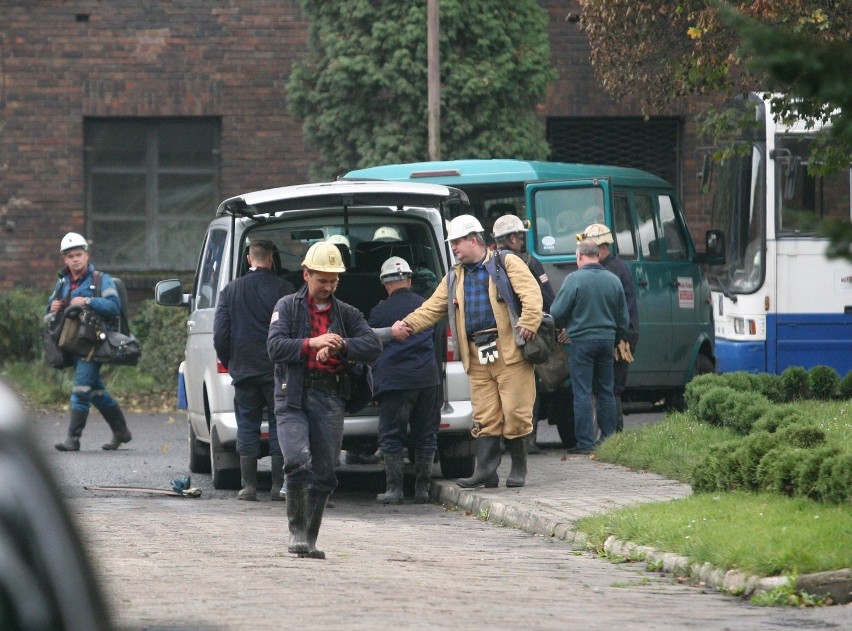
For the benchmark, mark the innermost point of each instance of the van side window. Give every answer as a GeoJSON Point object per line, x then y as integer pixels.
{"type": "Point", "coordinates": [672, 230]}
{"type": "Point", "coordinates": [560, 214]}
{"type": "Point", "coordinates": [209, 269]}
{"type": "Point", "coordinates": [623, 228]}
{"type": "Point", "coordinates": [648, 235]}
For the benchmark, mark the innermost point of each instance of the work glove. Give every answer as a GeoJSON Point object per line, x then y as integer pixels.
{"type": "Point", "coordinates": [488, 353]}
{"type": "Point", "coordinates": [623, 353]}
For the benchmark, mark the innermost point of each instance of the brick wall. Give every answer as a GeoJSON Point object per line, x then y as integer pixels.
{"type": "Point", "coordinates": [62, 61]}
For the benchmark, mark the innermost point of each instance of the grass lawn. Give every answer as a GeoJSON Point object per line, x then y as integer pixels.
{"type": "Point", "coordinates": [761, 533]}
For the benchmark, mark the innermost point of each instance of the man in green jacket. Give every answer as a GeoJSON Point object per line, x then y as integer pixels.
{"type": "Point", "coordinates": [592, 306]}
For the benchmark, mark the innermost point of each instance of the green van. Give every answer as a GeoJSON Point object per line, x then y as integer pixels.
{"type": "Point", "coordinates": [645, 215]}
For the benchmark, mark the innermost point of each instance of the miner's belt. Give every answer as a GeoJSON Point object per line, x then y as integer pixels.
{"type": "Point", "coordinates": [323, 381]}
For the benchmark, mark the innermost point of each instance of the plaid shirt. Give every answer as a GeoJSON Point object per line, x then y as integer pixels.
{"type": "Point", "coordinates": [320, 321]}
{"type": "Point", "coordinates": [478, 314]}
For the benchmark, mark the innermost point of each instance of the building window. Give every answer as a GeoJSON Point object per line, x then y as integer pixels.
{"type": "Point", "coordinates": [151, 190]}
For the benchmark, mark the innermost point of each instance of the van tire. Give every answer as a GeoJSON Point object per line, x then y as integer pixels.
{"type": "Point", "coordinates": [199, 453]}
{"type": "Point", "coordinates": [457, 455]}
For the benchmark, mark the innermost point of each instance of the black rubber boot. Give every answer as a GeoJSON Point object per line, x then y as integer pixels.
{"type": "Point", "coordinates": [248, 472]}
{"type": "Point", "coordinates": [487, 460]}
{"type": "Point", "coordinates": [393, 480]}
{"type": "Point", "coordinates": [297, 517]}
{"type": "Point", "coordinates": [518, 450]}
{"type": "Point", "coordinates": [619, 415]}
{"type": "Point", "coordinates": [423, 461]}
{"type": "Point", "coordinates": [277, 478]}
{"type": "Point", "coordinates": [120, 434]}
{"type": "Point", "coordinates": [317, 501]}
{"type": "Point", "coordinates": [532, 448]}
{"type": "Point", "coordinates": [75, 430]}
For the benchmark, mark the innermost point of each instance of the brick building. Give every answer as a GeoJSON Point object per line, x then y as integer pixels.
{"type": "Point", "coordinates": [128, 121]}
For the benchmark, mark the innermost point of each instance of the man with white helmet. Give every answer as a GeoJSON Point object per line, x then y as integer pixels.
{"type": "Point", "coordinates": [407, 382]}
{"type": "Point", "coordinates": [77, 287]}
{"type": "Point", "coordinates": [511, 234]}
{"type": "Point", "coordinates": [312, 336]}
{"type": "Point", "coordinates": [602, 235]}
{"type": "Point", "coordinates": [502, 382]}
{"type": "Point", "coordinates": [387, 233]}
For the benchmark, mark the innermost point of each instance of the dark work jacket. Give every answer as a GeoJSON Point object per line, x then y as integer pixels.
{"type": "Point", "coordinates": [537, 269]}
{"type": "Point", "coordinates": [408, 364]}
{"type": "Point", "coordinates": [291, 326]}
{"type": "Point", "coordinates": [241, 325]}
{"type": "Point", "coordinates": [107, 304]}
{"type": "Point", "coordinates": [615, 265]}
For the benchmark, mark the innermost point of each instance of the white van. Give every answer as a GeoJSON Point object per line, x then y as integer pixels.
{"type": "Point", "coordinates": [369, 222]}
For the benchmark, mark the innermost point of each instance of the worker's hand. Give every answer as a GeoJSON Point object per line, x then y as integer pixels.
{"type": "Point", "coordinates": [331, 341]}
{"type": "Point", "coordinates": [525, 334]}
{"type": "Point", "coordinates": [562, 336]}
{"type": "Point", "coordinates": [401, 331]}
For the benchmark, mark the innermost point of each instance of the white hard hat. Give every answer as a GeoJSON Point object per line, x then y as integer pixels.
{"type": "Point", "coordinates": [395, 268]}
{"type": "Point", "coordinates": [339, 238]}
{"type": "Point", "coordinates": [324, 257]}
{"type": "Point", "coordinates": [598, 233]}
{"type": "Point", "coordinates": [73, 240]}
{"type": "Point", "coordinates": [462, 226]}
{"type": "Point", "coordinates": [508, 224]}
{"type": "Point", "coordinates": [387, 233]}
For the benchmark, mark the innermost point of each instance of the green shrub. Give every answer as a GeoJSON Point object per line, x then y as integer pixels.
{"type": "Point", "coordinates": [770, 386]}
{"type": "Point", "coordinates": [804, 435]}
{"type": "Point", "coordinates": [21, 322]}
{"type": "Point", "coordinates": [777, 469]}
{"type": "Point", "coordinates": [162, 334]}
{"type": "Point", "coordinates": [748, 454]}
{"type": "Point", "coordinates": [776, 417]}
{"type": "Point", "coordinates": [713, 404]}
{"type": "Point", "coordinates": [807, 472]}
{"type": "Point", "coordinates": [794, 381]}
{"type": "Point", "coordinates": [742, 410]}
{"type": "Point", "coordinates": [696, 388]}
{"type": "Point", "coordinates": [823, 382]}
{"type": "Point", "coordinates": [845, 386]}
{"type": "Point", "coordinates": [835, 479]}
{"type": "Point", "coordinates": [712, 472]}
{"type": "Point", "coordinates": [739, 380]}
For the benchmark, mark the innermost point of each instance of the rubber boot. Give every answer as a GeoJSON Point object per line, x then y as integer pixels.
{"type": "Point", "coordinates": [518, 473]}
{"type": "Point", "coordinates": [75, 430]}
{"type": "Point", "coordinates": [120, 434]}
{"type": "Point", "coordinates": [532, 448]}
{"type": "Point", "coordinates": [297, 517]}
{"type": "Point", "coordinates": [619, 415]}
{"type": "Point", "coordinates": [317, 501]}
{"type": "Point", "coordinates": [275, 494]}
{"type": "Point", "coordinates": [487, 460]}
{"type": "Point", "coordinates": [393, 480]}
{"type": "Point", "coordinates": [248, 472]}
{"type": "Point", "coordinates": [423, 461]}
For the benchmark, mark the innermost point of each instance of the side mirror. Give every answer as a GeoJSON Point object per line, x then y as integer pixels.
{"type": "Point", "coordinates": [169, 293]}
{"type": "Point", "coordinates": [714, 248]}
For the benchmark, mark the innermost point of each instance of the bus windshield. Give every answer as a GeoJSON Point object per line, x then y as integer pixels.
{"type": "Point", "coordinates": [739, 208]}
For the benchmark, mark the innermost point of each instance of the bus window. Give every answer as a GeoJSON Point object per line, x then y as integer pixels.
{"type": "Point", "coordinates": [564, 213]}
{"type": "Point", "coordinates": [672, 230]}
{"type": "Point", "coordinates": [623, 228]}
{"type": "Point", "coordinates": [648, 236]}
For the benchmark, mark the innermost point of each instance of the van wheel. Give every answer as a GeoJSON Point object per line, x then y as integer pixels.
{"type": "Point", "coordinates": [457, 455]}
{"type": "Point", "coordinates": [675, 401]}
{"type": "Point", "coordinates": [199, 453]}
{"type": "Point", "coordinates": [222, 461]}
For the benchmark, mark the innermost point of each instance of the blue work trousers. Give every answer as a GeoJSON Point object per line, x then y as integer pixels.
{"type": "Point", "coordinates": [253, 403]}
{"type": "Point", "coordinates": [417, 410]}
{"type": "Point", "coordinates": [88, 389]}
{"type": "Point", "coordinates": [592, 378]}
{"type": "Point", "coordinates": [311, 438]}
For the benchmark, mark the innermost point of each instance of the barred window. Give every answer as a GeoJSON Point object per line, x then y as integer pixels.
{"type": "Point", "coordinates": [151, 190]}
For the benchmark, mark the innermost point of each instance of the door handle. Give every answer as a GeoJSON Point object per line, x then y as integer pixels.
{"type": "Point", "coordinates": [190, 323]}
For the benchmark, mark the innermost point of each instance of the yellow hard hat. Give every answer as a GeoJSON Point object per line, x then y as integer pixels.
{"type": "Point", "coordinates": [324, 257]}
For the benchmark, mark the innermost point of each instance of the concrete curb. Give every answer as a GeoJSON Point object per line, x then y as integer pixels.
{"type": "Point", "coordinates": [836, 584]}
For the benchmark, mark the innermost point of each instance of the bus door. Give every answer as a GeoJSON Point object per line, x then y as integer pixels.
{"type": "Point", "coordinates": [558, 211]}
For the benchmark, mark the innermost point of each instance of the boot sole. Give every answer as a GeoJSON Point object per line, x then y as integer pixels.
{"type": "Point", "coordinates": [514, 484]}
{"type": "Point", "coordinates": [491, 484]}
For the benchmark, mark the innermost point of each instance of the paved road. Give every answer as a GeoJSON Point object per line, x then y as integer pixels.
{"type": "Point", "coordinates": [218, 564]}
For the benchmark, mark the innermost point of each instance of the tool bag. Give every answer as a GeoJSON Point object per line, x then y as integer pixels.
{"type": "Point", "coordinates": [82, 330]}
